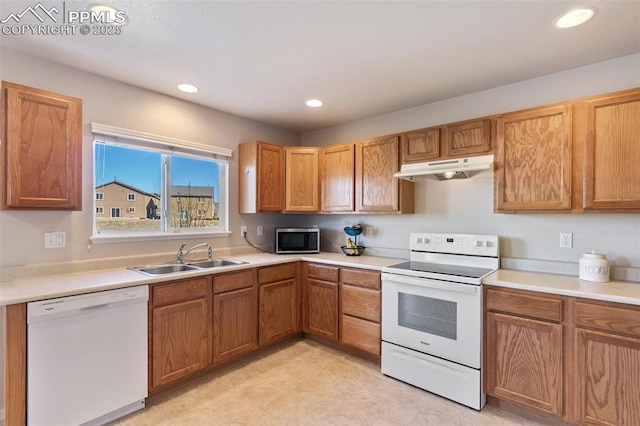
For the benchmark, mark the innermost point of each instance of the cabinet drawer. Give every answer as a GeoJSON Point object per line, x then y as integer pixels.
{"type": "Point", "coordinates": [234, 281]}
{"type": "Point", "coordinates": [361, 278]}
{"type": "Point", "coordinates": [323, 272]}
{"type": "Point", "coordinates": [361, 302]}
{"type": "Point", "coordinates": [616, 318]}
{"type": "Point", "coordinates": [272, 274]}
{"type": "Point", "coordinates": [178, 291]}
{"type": "Point", "coordinates": [525, 304]}
{"type": "Point", "coordinates": [361, 334]}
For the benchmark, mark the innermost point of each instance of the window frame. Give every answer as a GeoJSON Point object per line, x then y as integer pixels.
{"type": "Point", "coordinates": [168, 147]}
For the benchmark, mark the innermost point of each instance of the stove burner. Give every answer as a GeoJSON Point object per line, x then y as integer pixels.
{"type": "Point", "coordinates": [439, 268]}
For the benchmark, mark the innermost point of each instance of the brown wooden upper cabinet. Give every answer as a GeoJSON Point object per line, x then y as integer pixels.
{"type": "Point", "coordinates": [467, 138]}
{"type": "Point", "coordinates": [612, 151]}
{"type": "Point", "coordinates": [359, 177]}
{"type": "Point", "coordinates": [376, 188]}
{"type": "Point", "coordinates": [42, 149]}
{"type": "Point", "coordinates": [260, 177]}
{"type": "Point", "coordinates": [302, 178]}
{"type": "Point", "coordinates": [420, 145]}
{"type": "Point", "coordinates": [464, 138]}
{"type": "Point", "coordinates": [338, 178]}
{"type": "Point", "coordinates": [533, 160]}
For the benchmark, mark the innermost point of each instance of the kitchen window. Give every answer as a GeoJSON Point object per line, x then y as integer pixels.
{"type": "Point", "coordinates": [180, 187]}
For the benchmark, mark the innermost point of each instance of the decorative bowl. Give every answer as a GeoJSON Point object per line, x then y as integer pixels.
{"type": "Point", "coordinates": [353, 230]}
{"type": "Point", "coordinates": [353, 251]}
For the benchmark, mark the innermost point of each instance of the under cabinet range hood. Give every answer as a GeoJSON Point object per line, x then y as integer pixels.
{"type": "Point", "coordinates": [457, 168]}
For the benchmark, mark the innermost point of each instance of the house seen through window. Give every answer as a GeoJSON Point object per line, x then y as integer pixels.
{"type": "Point", "coordinates": [149, 191]}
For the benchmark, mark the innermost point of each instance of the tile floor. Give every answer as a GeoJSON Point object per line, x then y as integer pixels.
{"type": "Point", "coordinates": [306, 383]}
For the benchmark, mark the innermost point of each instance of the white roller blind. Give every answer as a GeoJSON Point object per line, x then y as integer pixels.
{"type": "Point", "coordinates": [115, 134]}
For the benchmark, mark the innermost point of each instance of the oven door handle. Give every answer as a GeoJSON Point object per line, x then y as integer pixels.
{"type": "Point", "coordinates": [429, 283]}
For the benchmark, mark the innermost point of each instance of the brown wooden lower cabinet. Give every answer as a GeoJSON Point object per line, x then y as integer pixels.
{"type": "Point", "coordinates": [609, 383]}
{"type": "Point", "coordinates": [577, 359]}
{"type": "Point", "coordinates": [278, 303]}
{"type": "Point", "coordinates": [360, 308]}
{"type": "Point", "coordinates": [180, 340]}
{"type": "Point", "coordinates": [526, 361]}
{"type": "Point", "coordinates": [323, 308]}
{"type": "Point", "coordinates": [235, 314]}
{"type": "Point", "coordinates": [321, 294]}
{"type": "Point", "coordinates": [234, 323]}
{"type": "Point", "coordinates": [180, 330]}
{"type": "Point", "coordinates": [361, 334]}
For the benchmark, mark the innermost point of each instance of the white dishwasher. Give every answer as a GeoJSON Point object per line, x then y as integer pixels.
{"type": "Point", "coordinates": [87, 357]}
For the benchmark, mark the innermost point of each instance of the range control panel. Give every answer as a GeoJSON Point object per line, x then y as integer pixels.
{"type": "Point", "coordinates": [471, 244]}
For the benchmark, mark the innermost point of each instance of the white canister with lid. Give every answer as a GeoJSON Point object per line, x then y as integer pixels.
{"type": "Point", "coordinates": [594, 267]}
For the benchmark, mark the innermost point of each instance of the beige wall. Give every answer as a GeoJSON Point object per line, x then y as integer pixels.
{"type": "Point", "coordinates": [118, 104]}
{"type": "Point", "coordinates": [467, 205]}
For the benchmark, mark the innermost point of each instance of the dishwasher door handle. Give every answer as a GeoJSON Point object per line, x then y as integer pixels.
{"type": "Point", "coordinates": [95, 307]}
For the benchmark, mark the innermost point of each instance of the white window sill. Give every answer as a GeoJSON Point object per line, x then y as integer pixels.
{"type": "Point", "coordinates": [126, 238]}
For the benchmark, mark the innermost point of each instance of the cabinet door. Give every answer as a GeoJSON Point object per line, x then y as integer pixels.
{"type": "Point", "coordinates": [235, 323]}
{"type": "Point", "coordinates": [612, 158]}
{"type": "Point", "coordinates": [376, 188]}
{"type": "Point", "coordinates": [180, 340]}
{"type": "Point", "coordinates": [524, 362]}
{"type": "Point", "coordinates": [270, 178]}
{"type": "Point", "coordinates": [323, 308]}
{"type": "Point", "coordinates": [420, 145]}
{"type": "Point", "coordinates": [467, 137]}
{"type": "Point", "coordinates": [42, 149]}
{"type": "Point", "coordinates": [608, 374]}
{"type": "Point", "coordinates": [302, 179]}
{"type": "Point", "coordinates": [260, 177]}
{"type": "Point", "coordinates": [533, 161]}
{"type": "Point", "coordinates": [278, 312]}
{"type": "Point", "coordinates": [338, 174]}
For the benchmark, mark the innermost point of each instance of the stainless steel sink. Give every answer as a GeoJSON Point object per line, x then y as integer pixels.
{"type": "Point", "coordinates": [215, 263]}
{"type": "Point", "coordinates": [172, 268]}
{"type": "Point", "coordinates": [164, 269]}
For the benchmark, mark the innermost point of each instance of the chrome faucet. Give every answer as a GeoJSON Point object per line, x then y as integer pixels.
{"type": "Point", "coordinates": [182, 254]}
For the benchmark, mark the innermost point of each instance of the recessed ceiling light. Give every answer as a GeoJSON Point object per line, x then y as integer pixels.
{"type": "Point", "coordinates": [314, 103]}
{"type": "Point", "coordinates": [574, 18]}
{"type": "Point", "coordinates": [187, 88]}
{"type": "Point", "coordinates": [112, 15]}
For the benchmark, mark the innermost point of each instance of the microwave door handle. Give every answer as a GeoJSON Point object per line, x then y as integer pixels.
{"type": "Point", "coordinates": [429, 283]}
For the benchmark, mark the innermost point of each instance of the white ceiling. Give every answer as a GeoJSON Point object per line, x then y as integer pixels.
{"type": "Point", "coordinates": [263, 59]}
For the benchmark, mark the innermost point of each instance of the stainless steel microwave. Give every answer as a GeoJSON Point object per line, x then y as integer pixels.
{"type": "Point", "coordinates": [297, 240]}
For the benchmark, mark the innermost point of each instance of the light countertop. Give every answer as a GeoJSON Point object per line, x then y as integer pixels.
{"type": "Point", "coordinates": [51, 286]}
{"type": "Point", "coordinates": [613, 291]}
{"type": "Point", "coordinates": [47, 287]}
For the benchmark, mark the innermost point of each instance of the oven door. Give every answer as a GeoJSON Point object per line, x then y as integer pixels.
{"type": "Point", "coordinates": [435, 317]}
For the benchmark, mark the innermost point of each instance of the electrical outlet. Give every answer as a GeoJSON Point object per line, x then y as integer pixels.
{"type": "Point", "coordinates": [259, 231]}
{"type": "Point", "coordinates": [368, 231]}
{"type": "Point", "coordinates": [243, 230]}
{"type": "Point", "coordinates": [55, 239]}
{"type": "Point", "coordinates": [566, 240]}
